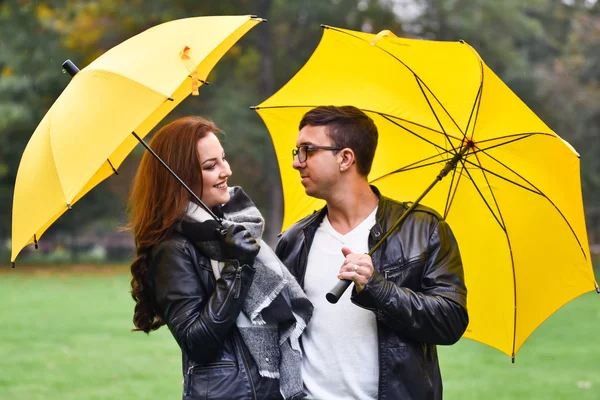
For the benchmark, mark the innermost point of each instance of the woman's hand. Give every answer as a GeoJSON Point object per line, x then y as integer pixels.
{"type": "Point", "coordinates": [239, 244]}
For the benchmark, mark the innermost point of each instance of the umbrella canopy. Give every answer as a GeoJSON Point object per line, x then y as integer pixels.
{"type": "Point", "coordinates": [87, 133]}
{"type": "Point", "coordinates": [514, 200]}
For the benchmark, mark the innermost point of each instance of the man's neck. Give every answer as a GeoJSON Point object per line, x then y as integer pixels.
{"type": "Point", "coordinates": [347, 208]}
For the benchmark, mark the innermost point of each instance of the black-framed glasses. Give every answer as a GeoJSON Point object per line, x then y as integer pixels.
{"type": "Point", "coordinates": [301, 152]}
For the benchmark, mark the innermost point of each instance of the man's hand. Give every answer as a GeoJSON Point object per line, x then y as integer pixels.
{"type": "Point", "coordinates": [357, 268]}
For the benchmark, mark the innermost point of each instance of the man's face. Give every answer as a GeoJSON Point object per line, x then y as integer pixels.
{"type": "Point", "coordinates": [320, 171]}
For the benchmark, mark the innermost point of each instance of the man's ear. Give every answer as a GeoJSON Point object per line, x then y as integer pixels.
{"type": "Point", "coordinates": [346, 159]}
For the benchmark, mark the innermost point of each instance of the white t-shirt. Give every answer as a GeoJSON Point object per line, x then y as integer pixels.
{"type": "Point", "coordinates": [341, 355]}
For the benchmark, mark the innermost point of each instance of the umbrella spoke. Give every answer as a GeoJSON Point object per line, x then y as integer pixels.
{"type": "Point", "coordinates": [512, 259]}
{"type": "Point", "coordinates": [516, 136]}
{"type": "Point", "coordinates": [538, 191]}
{"type": "Point", "coordinates": [475, 109]}
{"type": "Point", "coordinates": [444, 150]}
{"type": "Point", "coordinates": [112, 166]}
{"type": "Point", "coordinates": [501, 223]}
{"type": "Point", "coordinates": [502, 177]}
{"type": "Point", "coordinates": [410, 122]}
{"type": "Point", "coordinates": [452, 193]}
{"type": "Point", "coordinates": [477, 103]}
{"type": "Point", "coordinates": [410, 167]}
{"type": "Point", "coordinates": [421, 83]}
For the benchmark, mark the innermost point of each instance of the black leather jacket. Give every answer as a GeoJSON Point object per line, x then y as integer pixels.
{"type": "Point", "coordinates": [417, 293]}
{"type": "Point", "coordinates": [201, 313]}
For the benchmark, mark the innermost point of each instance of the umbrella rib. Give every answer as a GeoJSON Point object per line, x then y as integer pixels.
{"type": "Point", "coordinates": [414, 123]}
{"type": "Point", "coordinates": [476, 106]}
{"type": "Point", "coordinates": [483, 198]}
{"type": "Point", "coordinates": [411, 167]}
{"type": "Point", "coordinates": [415, 164]}
{"type": "Point", "coordinates": [452, 193]}
{"type": "Point", "coordinates": [518, 136]}
{"type": "Point", "coordinates": [112, 166]}
{"type": "Point", "coordinates": [419, 81]}
{"type": "Point", "coordinates": [503, 178]}
{"type": "Point", "coordinates": [512, 260]}
{"type": "Point", "coordinates": [544, 196]}
{"type": "Point", "coordinates": [477, 99]}
{"type": "Point", "coordinates": [416, 134]}
{"type": "Point", "coordinates": [407, 67]}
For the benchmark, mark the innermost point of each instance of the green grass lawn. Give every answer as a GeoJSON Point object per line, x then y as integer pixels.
{"type": "Point", "coordinates": [66, 335]}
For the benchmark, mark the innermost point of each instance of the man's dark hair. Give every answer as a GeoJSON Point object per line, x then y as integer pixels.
{"type": "Point", "coordinates": [347, 126]}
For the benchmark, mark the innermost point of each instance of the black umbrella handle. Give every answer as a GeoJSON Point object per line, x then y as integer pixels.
{"type": "Point", "coordinates": [338, 290]}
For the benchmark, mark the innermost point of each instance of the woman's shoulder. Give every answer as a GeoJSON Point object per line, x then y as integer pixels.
{"type": "Point", "coordinates": [179, 249]}
{"type": "Point", "coordinates": [176, 243]}
{"type": "Point", "coordinates": [175, 239]}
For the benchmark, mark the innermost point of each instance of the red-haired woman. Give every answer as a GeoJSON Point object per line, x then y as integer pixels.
{"type": "Point", "coordinates": [194, 276]}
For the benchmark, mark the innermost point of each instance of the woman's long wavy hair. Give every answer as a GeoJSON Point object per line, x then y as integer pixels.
{"type": "Point", "coordinates": [157, 200]}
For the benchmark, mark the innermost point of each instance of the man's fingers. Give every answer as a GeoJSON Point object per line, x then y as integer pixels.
{"type": "Point", "coordinates": [349, 276]}
{"type": "Point", "coordinates": [346, 251]}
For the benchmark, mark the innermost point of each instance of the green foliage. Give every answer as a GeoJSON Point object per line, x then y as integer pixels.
{"type": "Point", "coordinates": [547, 51]}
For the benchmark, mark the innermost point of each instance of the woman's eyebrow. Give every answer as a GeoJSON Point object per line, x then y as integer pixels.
{"type": "Point", "coordinates": [210, 159]}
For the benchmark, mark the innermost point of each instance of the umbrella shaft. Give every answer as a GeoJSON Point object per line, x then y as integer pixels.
{"type": "Point", "coordinates": [450, 165]}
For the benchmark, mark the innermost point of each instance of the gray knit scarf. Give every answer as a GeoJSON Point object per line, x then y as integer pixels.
{"type": "Point", "coordinates": [276, 310]}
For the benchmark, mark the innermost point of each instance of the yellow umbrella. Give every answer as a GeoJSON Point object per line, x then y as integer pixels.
{"type": "Point", "coordinates": [514, 199]}
{"type": "Point", "coordinates": [87, 133]}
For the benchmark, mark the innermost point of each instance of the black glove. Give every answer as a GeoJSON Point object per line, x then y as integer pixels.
{"type": "Point", "coordinates": [238, 244]}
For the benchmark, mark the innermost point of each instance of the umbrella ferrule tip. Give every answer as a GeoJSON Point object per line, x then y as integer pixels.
{"type": "Point", "coordinates": [70, 67]}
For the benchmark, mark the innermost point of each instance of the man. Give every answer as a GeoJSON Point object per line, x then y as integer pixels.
{"type": "Point", "coordinates": [408, 297]}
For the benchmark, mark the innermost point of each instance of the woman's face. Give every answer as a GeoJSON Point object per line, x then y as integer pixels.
{"type": "Point", "coordinates": [215, 171]}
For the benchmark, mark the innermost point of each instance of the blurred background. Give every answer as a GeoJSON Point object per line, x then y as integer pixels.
{"type": "Point", "coordinates": [65, 311]}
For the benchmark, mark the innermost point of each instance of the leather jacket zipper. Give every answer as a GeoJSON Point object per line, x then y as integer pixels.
{"type": "Point", "coordinates": [237, 284]}
{"type": "Point", "coordinates": [188, 389]}
{"type": "Point", "coordinates": [236, 288]}
{"type": "Point", "coordinates": [193, 367]}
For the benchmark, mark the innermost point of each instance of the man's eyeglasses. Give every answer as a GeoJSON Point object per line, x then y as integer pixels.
{"type": "Point", "coordinates": [302, 151]}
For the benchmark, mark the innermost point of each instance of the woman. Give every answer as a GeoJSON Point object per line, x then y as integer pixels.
{"type": "Point", "coordinates": [194, 275]}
